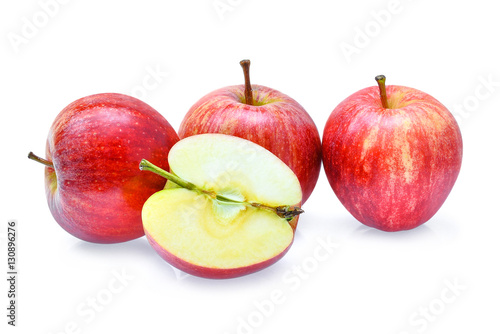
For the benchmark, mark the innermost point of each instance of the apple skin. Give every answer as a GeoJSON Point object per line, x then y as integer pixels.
{"type": "Point", "coordinates": [216, 273]}
{"type": "Point", "coordinates": [277, 123]}
{"type": "Point", "coordinates": [392, 169]}
{"type": "Point", "coordinates": [96, 190]}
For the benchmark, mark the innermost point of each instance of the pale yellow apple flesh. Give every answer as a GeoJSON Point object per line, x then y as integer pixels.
{"type": "Point", "coordinates": [227, 164]}
{"type": "Point", "coordinates": [196, 228]}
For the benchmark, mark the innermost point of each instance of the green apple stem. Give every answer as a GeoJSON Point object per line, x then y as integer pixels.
{"type": "Point", "coordinates": [245, 63]}
{"type": "Point", "coordinates": [383, 94]}
{"type": "Point", "coordinates": [146, 165]}
{"type": "Point", "coordinates": [287, 212]}
{"type": "Point", "coordinates": [36, 158]}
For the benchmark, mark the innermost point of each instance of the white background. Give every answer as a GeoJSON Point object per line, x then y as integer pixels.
{"type": "Point", "coordinates": [339, 276]}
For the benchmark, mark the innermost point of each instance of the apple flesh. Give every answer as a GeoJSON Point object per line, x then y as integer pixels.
{"type": "Point", "coordinates": [93, 186]}
{"type": "Point", "coordinates": [266, 117]}
{"type": "Point", "coordinates": [227, 216]}
{"type": "Point", "coordinates": [391, 166]}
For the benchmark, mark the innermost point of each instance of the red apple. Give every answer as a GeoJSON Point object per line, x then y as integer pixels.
{"type": "Point", "coordinates": [391, 155]}
{"type": "Point", "coordinates": [94, 187]}
{"type": "Point", "coordinates": [266, 117]}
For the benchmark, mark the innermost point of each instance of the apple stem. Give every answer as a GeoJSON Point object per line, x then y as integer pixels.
{"type": "Point", "coordinates": [383, 94]}
{"type": "Point", "coordinates": [36, 158]}
{"type": "Point", "coordinates": [285, 211]}
{"type": "Point", "coordinates": [245, 63]}
{"type": "Point", "coordinates": [146, 165]}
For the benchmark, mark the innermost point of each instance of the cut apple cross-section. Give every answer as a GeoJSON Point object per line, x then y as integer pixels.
{"type": "Point", "coordinates": [230, 207]}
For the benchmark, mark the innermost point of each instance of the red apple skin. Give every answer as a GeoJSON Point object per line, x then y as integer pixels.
{"type": "Point", "coordinates": [96, 190]}
{"type": "Point", "coordinates": [277, 123]}
{"type": "Point", "coordinates": [215, 273]}
{"type": "Point", "coordinates": [392, 168]}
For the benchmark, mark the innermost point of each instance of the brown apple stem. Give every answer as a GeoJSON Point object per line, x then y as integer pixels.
{"type": "Point", "coordinates": [36, 158]}
{"type": "Point", "coordinates": [245, 63]}
{"type": "Point", "coordinates": [383, 94]}
{"type": "Point", "coordinates": [285, 211]}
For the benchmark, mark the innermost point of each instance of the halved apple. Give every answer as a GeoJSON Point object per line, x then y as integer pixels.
{"type": "Point", "coordinates": [230, 207]}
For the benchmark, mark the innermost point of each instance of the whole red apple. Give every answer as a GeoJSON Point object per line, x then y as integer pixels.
{"type": "Point", "coordinates": [94, 187]}
{"type": "Point", "coordinates": [391, 155]}
{"type": "Point", "coordinates": [266, 117]}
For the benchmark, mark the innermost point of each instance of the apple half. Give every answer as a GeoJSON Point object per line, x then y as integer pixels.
{"type": "Point", "coordinates": [230, 207]}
